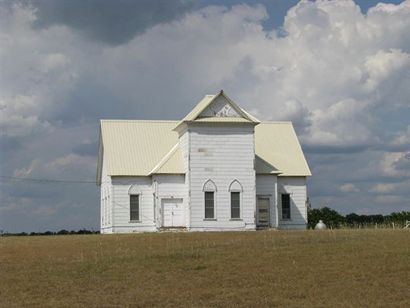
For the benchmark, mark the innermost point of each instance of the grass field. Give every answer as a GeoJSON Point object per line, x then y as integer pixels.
{"type": "Point", "coordinates": [346, 268]}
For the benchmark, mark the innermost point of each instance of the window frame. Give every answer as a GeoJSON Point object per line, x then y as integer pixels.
{"type": "Point", "coordinates": [236, 187]}
{"type": "Point", "coordinates": [289, 211]}
{"type": "Point", "coordinates": [209, 187]}
{"type": "Point", "coordinates": [213, 205]}
{"type": "Point", "coordinates": [239, 205]}
{"type": "Point", "coordinates": [137, 197]}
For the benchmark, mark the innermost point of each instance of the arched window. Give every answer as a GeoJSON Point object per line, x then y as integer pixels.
{"type": "Point", "coordinates": [209, 186]}
{"type": "Point", "coordinates": [209, 199]}
{"type": "Point", "coordinates": [235, 186]}
{"type": "Point", "coordinates": [235, 190]}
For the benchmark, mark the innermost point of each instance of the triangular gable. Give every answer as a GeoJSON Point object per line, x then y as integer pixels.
{"type": "Point", "coordinates": [218, 108]}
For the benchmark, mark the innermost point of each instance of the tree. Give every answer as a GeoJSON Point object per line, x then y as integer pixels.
{"type": "Point", "coordinates": [330, 217]}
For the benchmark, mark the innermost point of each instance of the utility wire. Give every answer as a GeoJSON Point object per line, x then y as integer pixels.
{"type": "Point", "coordinates": [45, 180]}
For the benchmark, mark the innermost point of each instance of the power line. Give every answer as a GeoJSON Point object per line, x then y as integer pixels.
{"type": "Point", "coordinates": [11, 178]}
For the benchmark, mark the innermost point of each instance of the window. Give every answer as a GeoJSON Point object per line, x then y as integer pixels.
{"type": "Point", "coordinates": [209, 189]}
{"type": "Point", "coordinates": [285, 206]}
{"type": "Point", "coordinates": [235, 205]}
{"type": "Point", "coordinates": [209, 205]}
{"type": "Point", "coordinates": [134, 207]}
{"type": "Point", "coordinates": [235, 189]}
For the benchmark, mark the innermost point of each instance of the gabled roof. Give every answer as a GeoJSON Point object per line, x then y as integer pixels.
{"type": "Point", "coordinates": [195, 114]}
{"type": "Point", "coordinates": [142, 148]}
{"type": "Point", "coordinates": [171, 163]}
{"type": "Point", "coordinates": [135, 148]}
{"type": "Point", "coordinates": [277, 144]}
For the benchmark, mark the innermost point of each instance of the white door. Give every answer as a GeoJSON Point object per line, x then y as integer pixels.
{"type": "Point", "coordinates": [263, 213]}
{"type": "Point", "coordinates": [173, 213]}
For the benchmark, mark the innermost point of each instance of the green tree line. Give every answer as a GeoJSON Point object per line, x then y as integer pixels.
{"type": "Point", "coordinates": [335, 220]}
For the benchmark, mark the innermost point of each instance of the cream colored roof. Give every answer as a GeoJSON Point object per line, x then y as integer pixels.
{"type": "Point", "coordinates": [276, 143]}
{"type": "Point", "coordinates": [171, 163]}
{"type": "Point", "coordinates": [136, 147]}
{"type": "Point", "coordinates": [141, 148]}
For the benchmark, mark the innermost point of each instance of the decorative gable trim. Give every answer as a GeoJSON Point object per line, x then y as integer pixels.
{"type": "Point", "coordinates": [207, 101]}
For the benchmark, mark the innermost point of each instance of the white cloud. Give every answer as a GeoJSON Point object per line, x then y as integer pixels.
{"type": "Point", "coordinates": [383, 188]}
{"type": "Point", "coordinates": [334, 71]}
{"type": "Point", "coordinates": [402, 138]}
{"type": "Point", "coordinates": [396, 164]}
{"type": "Point", "coordinates": [348, 187]}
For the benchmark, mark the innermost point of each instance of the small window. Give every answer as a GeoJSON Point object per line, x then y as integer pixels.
{"type": "Point", "coordinates": [285, 206]}
{"type": "Point", "coordinates": [134, 207]}
{"type": "Point", "coordinates": [235, 205]}
{"type": "Point", "coordinates": [209, 205]}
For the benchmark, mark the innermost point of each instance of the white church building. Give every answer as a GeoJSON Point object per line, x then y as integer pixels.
{"type": "Point", "coordinates": [218, 169]}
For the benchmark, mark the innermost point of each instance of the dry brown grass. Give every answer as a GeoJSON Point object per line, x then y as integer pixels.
{"type": "Point", "coordinates": [349, 268]}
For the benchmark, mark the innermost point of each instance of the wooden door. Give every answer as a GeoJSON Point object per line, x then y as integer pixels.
{"type": "Point", "coordinates": [263, 212]}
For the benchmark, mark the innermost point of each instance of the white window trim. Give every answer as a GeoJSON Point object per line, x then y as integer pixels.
{"type": "Point", "coordinates": [240, 191]}
{"type": "Point", "coordinates": [213, 189]}
{"type": "Point", "coordinates": [139, 208]}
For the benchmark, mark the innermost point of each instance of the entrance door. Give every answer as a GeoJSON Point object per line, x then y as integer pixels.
{"type": "Point", "coordinates": [263, 213]}
{"type": "Point", "coordinates": [172, 213]}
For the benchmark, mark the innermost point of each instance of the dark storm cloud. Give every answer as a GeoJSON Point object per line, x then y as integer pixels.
{"type": "Point", "coordinates": [112, 22]}
{"type": "Point", "coordinates": [337, 149]}
{"type": "Point", "coordinates": [9, 144]}
{"type": "Point", "coordinates": [86, 149]}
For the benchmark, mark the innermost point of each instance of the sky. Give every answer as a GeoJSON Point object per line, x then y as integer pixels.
{"type": "Point", "coordinates": [339, 70]}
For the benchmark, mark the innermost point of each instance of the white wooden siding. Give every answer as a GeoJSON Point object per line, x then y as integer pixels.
{"type": "Point", "coordinates": [266, 185]}
{"type": "Point", "coordinates": [184, 144]}
{"type": "Point", "coordinates": [106, 210]}
{"type": "Point", "coordinates": [170, 187]}
{"type": "Point", "coordinates": [296, 187]}
{"type": "Point", "coordinates": [121, 204]}
{"type": "Point", "coordinates": [222, 154]}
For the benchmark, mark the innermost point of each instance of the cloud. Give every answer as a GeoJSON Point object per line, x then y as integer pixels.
{"type": "Point", "coordinates": [349, 188]}
{"type": "Point", "coordinates": [111, 22]}
{"type": "Point", "coordinates": [341, 76]}
{"type": "Point", "coordinates": [396, 164]}
{"type": "Point", "coordinates": [86, 149]}
{"type": "Point", "coordinates": [383, 188]}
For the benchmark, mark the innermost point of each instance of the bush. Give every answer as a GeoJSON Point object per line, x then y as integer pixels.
{"type": "Point", "coordinates": [330, 217]}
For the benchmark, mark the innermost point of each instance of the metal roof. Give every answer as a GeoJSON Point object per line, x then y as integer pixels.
{"type": "Point", "coordinates": [141, 148]}
{"type": "Point", "coordinates": [276, 143]}
{"type": "Point", "coordinates": [135, 148]}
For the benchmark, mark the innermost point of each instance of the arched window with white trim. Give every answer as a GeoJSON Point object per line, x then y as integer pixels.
{"type": "Point", "coordinates": [235, 190]}
{"type": "Point", "coordinates": [209, 189]}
